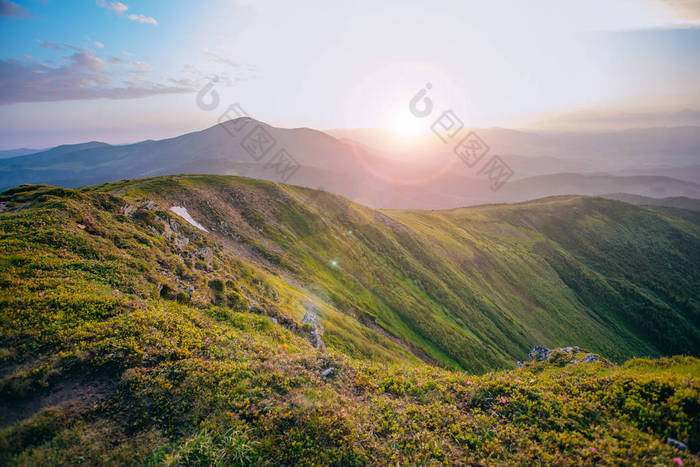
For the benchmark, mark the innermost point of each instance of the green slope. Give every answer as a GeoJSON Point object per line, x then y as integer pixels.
{"type": "Point", "coordinates": [471, 288]}
{"type": "Point", "coordinates": [123, 340]}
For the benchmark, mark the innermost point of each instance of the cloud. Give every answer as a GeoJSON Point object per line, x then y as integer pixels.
{"type": "Point", "coordinates": [119, 8]}
{"type": "Point", "coordinates": [61, 46]}
{"type": "Point", "coordinates": [50, 45]}
{"type": "Point", "coordinates": [114, 60]}
{"type": "Point", "coordinates": [99, 45]}
{"type": "Point", "coordinates": [143, 19]}
{"type": "Point", "coordinates": [82, 75]}
{"type": "Point", "coordinates": [12, 10]}
{"type": "Point", "coordinates": [141, 66]}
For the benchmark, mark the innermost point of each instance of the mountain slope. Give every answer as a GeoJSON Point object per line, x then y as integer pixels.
{"type": "Point", "coordinates": [473, 288]}
{"type": "Point", "coordinates": [130, 335]}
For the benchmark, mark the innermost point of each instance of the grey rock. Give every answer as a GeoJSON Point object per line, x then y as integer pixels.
{"type": "Point", "coordinates": [316, 332]}
{"type": "Point", "coordinates": [539, 353]}
{"type": "Point", "coordinates": [676, 444]}
{"type": "Point", "coordinates": [311, 319]}
{"type": "Point", "coordinates": [590, 358]}
{"type": "Point", "coordinates": [128, 209]}
{"type": "Point", "coordinates": [206, 255]}
{"type": "Point", "coordinates": [150, 206]}
{"type": "Point", "coordinates": [328, 372]}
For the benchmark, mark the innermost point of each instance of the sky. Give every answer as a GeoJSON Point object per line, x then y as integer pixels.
{"type": "Point", "coordinates": [80, 70]}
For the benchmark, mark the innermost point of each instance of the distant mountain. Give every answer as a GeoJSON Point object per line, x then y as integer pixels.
{"type": "Point", "coordinates": [647, 148]}
{"type": "Point", "coordinates": [578, 184]}
{"type": "Point", "coordinates": [17, 152]}
{"type": "Point", "coordinates": [687, 173]}
{"type": "Point", "coordinates": [679, 202]}
{"type": "Point", "coordinates": [434, 179]}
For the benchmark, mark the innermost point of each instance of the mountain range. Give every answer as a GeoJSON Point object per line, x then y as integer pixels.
{"type": "Point", "coordinates": [429, 176]}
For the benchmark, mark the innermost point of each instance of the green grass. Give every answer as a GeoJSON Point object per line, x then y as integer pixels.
{"type": "Point", "coordinates": [120, 345]}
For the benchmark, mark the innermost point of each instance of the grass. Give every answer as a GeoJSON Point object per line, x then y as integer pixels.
{"type": "Point", "coordinates": [119, 344]}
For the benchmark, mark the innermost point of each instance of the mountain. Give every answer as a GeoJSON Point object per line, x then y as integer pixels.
{"type": "Point", "coordinates": [689, 204]}
{"type": "Point", "coordinates": [471, 288]}
{"type": "Point", "coordinates": [644, 149]}
{"type": "Point", "coordinates": [210, 319]}
{"type": "Point", "coordinates": [435, 180]}
{"type": "Point", "coordinates": [689, 173]}
{"type": "Point", "coordinates": [592, 185]}
{"type": "Point", "coordinates": [17, 152]}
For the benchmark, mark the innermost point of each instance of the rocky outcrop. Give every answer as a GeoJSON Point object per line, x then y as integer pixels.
{"type": "Point", "coordinates": [206, 255]}
{"type": "Point", "coordinates": [315, 329]}
{"type": "Point", "coordinates": [539, 353]}
{"type": "Point", "coordinates": [561, 355]}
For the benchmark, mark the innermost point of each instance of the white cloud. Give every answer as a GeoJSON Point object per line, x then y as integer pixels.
{"type": "Point", "coordinates": [143, 19]}
{"type": "Point", "coordinates": [80, 75]}
{"type": "Point", "coordinates": [99, 45]}
{"type": "Point", "coordinates": [119, 8]}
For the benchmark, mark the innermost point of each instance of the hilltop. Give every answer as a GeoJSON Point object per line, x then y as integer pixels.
{"type": "Point", "coordinates": [260, 321]}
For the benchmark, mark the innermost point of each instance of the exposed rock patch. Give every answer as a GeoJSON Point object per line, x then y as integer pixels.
{"type": "Point", "coordinates": [316, 329]}
{"type": "Point", "coordinates": [560, 356]}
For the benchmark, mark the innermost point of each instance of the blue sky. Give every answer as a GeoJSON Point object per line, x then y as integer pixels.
{"type": "Point", "coordinates": [79, 70]}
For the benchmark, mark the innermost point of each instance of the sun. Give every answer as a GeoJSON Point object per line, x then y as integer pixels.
{"type": "Point", "coordinates": [407, 127]}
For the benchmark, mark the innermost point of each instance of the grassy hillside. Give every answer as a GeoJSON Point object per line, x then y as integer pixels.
{"type": "Point", "coordinates": [473, 288]}
{"type": "Point", "coordinates": [129, 336]}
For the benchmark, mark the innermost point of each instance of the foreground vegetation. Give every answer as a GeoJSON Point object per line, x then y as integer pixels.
{"type": "Point", "coordinates": [128, 336]}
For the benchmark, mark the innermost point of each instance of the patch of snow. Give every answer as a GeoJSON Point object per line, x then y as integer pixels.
{"type": "Point", "coordinates": [182, 212]}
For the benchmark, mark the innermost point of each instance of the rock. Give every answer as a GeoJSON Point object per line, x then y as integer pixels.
{"type": "Point", "coordinates": [328, 372]}
{"type": "Point", "coordinates": [539, 353]}
{"type": "Point", "coordinates": [311, 319]}
{"type": "Point", "coordinates": [206, 255]}
{"type": "Point", "coordinates": [274, 320]}
{"type": "Point", "coordinates": [676, 444]}
{"type": "Point", "coordinates": [172, 233]}
{"type": "Point", "coordinates": [128, 209]}
{"type": "Point", "coordinates": [590, 358]}
{"type": "Point", "coordinates": [316, 332]}
{"type": "Point", "coordinates": [150, 206]}
{"type": "Point", "coordinates": [518, 364]}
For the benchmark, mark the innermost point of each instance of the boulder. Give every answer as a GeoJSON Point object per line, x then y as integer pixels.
{"type": "Point", "coordinates": [590, 358]}
{"type": "Point", "coordinates": [539, 353]}
{"type": "Point", "coordinates": [316, 331]}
